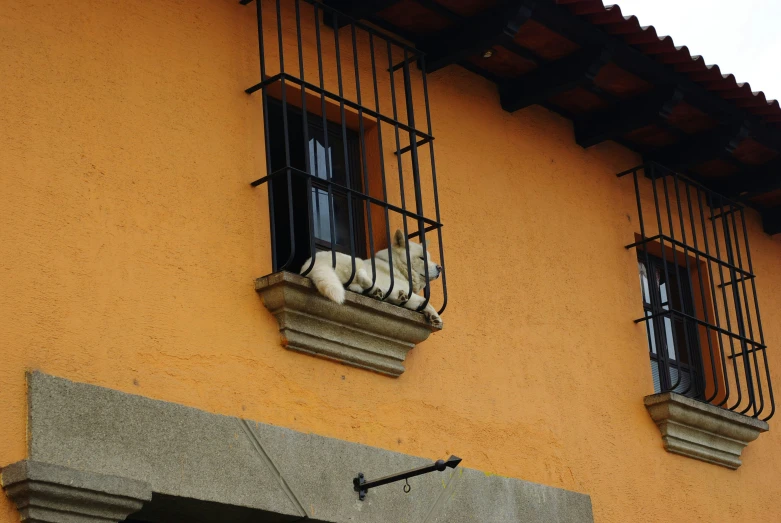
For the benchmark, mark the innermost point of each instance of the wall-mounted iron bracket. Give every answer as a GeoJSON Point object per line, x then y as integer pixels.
{"type": "Point", "coordinates": [361, 486]}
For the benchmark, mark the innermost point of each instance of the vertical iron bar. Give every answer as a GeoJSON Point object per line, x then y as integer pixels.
{"type": "Point", "coordinates": [413, 143]}
{"type": "Point", "coordinates": [665, 379]}
{"type": "Point", "coordinates": [400, 166]}
{"type": "Point", "coordinates": [382, 169]}
{"type": "Point", "coordinates": [286, 134]}
{"type": "Point", "coordinates": [264, 103]}
{"type": "Point", "coordinates": [345, 150]}
{"type": "Point", "coordinates": [305, 122]}
{"type": "Point", "coordinates": [702, 294]}
{"type": "Point", "coordinates": [686, 324]}
{"type": "Point", "coordinates": [434, 181]}
{"type": "Point", "coordinates": [328, 172]}
{"type": "Point", "coordinates": [759, 321]}
{"type": "Point", "coordinates": [746, 309]}
{"type": "Point", "coordinates": [739, 320]}
{"type": "Point", "coordinates": [723, 286]}
{"type": "Point", "coordinates": [667, 279]}
{"type": "Point", "coordinates": [712, 205]}
{"type": "Point", "coordinates": [714, 295]}
{"type": "Point", "coordinates": [364, 164]}
{"type": "Point", "coordinates": [652, 341]}
{"type": "Point", "coordinates": [674, 250]}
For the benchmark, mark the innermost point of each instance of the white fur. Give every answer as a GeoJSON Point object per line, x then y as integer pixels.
{"type": "Point", "coordinates": [330, 280]}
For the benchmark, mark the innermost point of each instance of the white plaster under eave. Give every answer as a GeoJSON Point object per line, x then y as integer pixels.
{"type": "Point", "coordinates": [702, 431]}
{"type": "Point", "coordinates": [362, 332]}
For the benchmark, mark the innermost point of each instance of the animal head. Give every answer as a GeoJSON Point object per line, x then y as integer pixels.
{"type": "Point", "coordinates": [418, 258]}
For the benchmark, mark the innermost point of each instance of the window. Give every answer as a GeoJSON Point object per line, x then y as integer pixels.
{"type": "Point", "coordinates": [328, 156]}
{"type": "Point", "coordinates": [348, 140]}
{"type": "Point", "coordinates": [699, 293]}
{"type": "Point", "coordinates": [349, 169]}
{"type": "Point", "coordinates": [673, 344]}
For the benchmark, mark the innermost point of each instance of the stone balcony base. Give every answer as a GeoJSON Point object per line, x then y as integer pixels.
{"type": "Point", "coordinates": [702, 431]}
{"type": "Point", "coordinates": [362, 332]}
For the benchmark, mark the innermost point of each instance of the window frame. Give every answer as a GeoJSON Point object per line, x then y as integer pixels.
{"type": "Point", "coordinates": [657, 326]}
{"type": "Point", "coordinates": [302, 228]}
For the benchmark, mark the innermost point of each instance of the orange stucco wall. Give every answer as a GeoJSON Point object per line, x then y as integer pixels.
{"type": "Point", "coordinates": [130, 239]}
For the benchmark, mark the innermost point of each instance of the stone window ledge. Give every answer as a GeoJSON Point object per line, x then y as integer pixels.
{"type": "Point", "coordinates": [702, 431]}
{"type": "Point", "coordinates": [362, 332]}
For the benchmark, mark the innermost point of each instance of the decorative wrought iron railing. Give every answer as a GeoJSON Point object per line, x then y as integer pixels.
{"type": "Point", "coordinates": [347, 163]}
{"type": "Point", "coordinates": [699, 293]}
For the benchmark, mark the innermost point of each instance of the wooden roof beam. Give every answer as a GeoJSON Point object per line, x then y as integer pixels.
{"type": "Point", "coordinates": [356, 9]}
{"type": "Point", "coordinates": [495, 26]}
{"type": "Point", "coordinates": [433, 5]}
{"type": "Point", "coordinates": [627, 116]}
{"type": "Point", "coordinates": [575, 70]}
{"type": "Point", "coordinates": [719, 143]}
{"type": "Point", "coordinates": [771, 221]}
{"type": "Point", "coordinates": [753, 182]}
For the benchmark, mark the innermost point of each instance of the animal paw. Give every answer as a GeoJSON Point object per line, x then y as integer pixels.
{"type": "Point", "coordinates": [377, 293]}
{"type": "Point", "coordinates": [402, 296]}
{"type": "Point", "coordinates": [434, 319]}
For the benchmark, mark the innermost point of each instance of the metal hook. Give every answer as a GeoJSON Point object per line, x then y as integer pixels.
{"type": "Point", "coordinates": [407, 488]}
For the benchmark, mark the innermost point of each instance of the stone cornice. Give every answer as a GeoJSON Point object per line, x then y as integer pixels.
{"type": "Point", "coordinates": [362, 332]}
{"type": "Point", "coordinates": [702, 431]}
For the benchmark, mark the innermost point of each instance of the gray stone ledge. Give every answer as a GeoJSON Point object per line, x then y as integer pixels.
{"type": "Point", "coordinates": [702, 431]}
{"type": "Point", "coordinates": [50, 493]}
{"type": "Point", "coordinates": [362, 332]}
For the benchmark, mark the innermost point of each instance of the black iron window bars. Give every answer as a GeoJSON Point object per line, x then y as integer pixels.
{"type": "Point", "coordinates": [699, 293]}
{"type": "Point", "coordinates": [325, 155]}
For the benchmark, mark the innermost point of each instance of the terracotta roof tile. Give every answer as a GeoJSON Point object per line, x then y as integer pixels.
{"type": "Point", "coordinates": [663, 49]}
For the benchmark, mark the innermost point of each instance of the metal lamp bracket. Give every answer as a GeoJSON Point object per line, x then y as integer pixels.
{"type": "Point", "coordinates": [361, 486]}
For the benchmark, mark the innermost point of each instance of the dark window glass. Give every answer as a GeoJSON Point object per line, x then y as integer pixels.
{"type": "Point", "coordinates": [330, 215]}
{"type": "Point", "coordinates": [676, 363]}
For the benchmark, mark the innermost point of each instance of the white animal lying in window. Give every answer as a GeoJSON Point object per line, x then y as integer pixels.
{"type": "Point", "coordinates": [330, 281]}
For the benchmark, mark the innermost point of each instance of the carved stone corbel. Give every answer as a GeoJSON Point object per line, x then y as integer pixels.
{"type": "Point", "coordinates": [45, 493]}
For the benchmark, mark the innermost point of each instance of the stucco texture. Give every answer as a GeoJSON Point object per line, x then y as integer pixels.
{"type": "Point", "coordinates": [131, 239]}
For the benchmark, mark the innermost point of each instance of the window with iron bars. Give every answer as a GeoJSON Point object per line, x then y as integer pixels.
{"type": "Point", "coordinates": [672, 341]}
{"type": "Point", "coordinates": [347, 165]}
{"type": "Point", "coordinates": [699, 294]}
{"type": "Point", "coordinates": [331, 155]}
